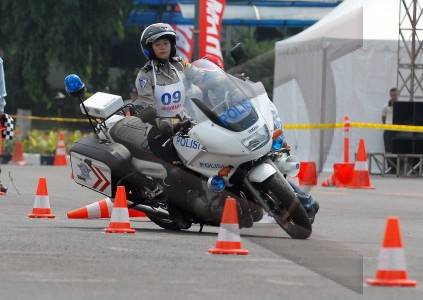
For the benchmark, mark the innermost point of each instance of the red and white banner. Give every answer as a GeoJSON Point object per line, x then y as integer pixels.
{"type": "Point", "coordinates": [211, 15]}
{"type": "Point", "coordinates": [184, 41]}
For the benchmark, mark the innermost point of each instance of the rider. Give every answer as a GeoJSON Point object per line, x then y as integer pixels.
{"type": "Point", "coordinates": [160, 88]}
{"type": "Point", "coordinates": [161, 94]}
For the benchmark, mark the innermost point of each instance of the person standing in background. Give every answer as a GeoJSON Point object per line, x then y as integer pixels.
{"type": "Point", "coordinates": [3, 93]}
{"type": "Point", "coordinates": [387, 117]}
{"type": "Point", "coordinates": [2, 105]}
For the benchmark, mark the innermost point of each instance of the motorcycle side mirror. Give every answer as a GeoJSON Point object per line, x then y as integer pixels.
{"type": "Point", "coordinates": [238, 53]}
{"type": "Point", "coordinates": [74, 85]}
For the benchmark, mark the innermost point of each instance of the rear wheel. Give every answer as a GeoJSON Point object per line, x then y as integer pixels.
{"type": "Point", "coordinates": [285, 207]}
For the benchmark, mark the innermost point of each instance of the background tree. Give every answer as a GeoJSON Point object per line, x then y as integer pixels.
{"type": "Point", "coordinates": [39, 35]}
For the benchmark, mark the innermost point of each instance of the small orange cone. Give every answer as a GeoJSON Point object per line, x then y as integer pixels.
{"type": "Point", "coordinates": [228, 239]}
{"type": "Point", "coordinates": [361, 176]}
{"type": "Point", "coordinates": [18, 151]}
{"type": "Point", "coordinates": [100, 209]}
{"type": "Point", "coordinates": [343, 174]}
{"type": "Point", "coordinates": [308, 173]}
{"type": "Point", "coordinates": [60, 156]}
{"type": "Point", "coordinates": [133, 213]}
{"type": "Point", "coordinates": [392, 269]}
{"type": "Point", "coordinates": [41, 207]}
{"type": "Point", "coordinates": [119, 222]}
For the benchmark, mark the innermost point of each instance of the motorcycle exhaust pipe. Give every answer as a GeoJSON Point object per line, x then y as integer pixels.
{"type": "Point", "coordinates": [152, 211]}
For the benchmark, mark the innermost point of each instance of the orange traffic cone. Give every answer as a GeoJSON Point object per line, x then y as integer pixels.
{"type": "Point", "coordinates": [228, 239]}
{"type": "Point", "coordinates": [119, 222]}
{"type": "Point", "coordinates": [41, 207]}
{"type": "Point", "coordinates": [308, 173]}
{"type": "Point", "coordinates": [342, 174]}
{"type": "Point", "coordinates": [133, 213]}
{"type": "Point", "coordinates": [100, 209]}
{"type": "Point", "coordinates": [18, 151]}
{"type": "Point", "coordinates": [392, 269]}
{"type": "Point", "coordinates": [361, 176]}
{"type": "Point", "coordinates": [60, 156]}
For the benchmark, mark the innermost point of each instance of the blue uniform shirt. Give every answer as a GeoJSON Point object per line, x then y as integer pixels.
{"type": "Point", "coordinates": [2, 88]}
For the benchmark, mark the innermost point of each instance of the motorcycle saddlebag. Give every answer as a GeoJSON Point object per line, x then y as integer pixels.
{"type": "Point", "coordinates": [99, 165]}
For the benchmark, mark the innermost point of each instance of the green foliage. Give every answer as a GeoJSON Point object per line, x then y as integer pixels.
{"type": "Point", "coordinates": [75, 34]}
{"type": "Point", "coordinates": [8, 146]}
{"type": "Point", "coordinates": [259, 57]}
{"type": "Point", "coordinates": [45, 142]}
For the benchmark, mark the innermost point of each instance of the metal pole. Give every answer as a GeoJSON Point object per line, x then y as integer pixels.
{"type": "Point", "coordinates": [413, 51]}
{"type": "Point", "coordinates": [196, 30]}
{"type": "Point", "coordinates": [322, 111]}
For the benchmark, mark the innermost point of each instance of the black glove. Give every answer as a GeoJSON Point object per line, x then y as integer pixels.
{"type": "Point", "coordinates": [147, 115]}
{"type": "Point", "coordinates": [183, 127]}
{"type": "Point", "coordinates": [165, 129]}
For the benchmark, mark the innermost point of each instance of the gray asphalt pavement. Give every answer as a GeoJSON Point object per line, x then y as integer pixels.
{"type": "Point", "coordinates": [74, 259]}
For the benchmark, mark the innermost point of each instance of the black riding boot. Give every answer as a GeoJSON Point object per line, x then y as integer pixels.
{"type": "Point", "coordinates": [311, 206]}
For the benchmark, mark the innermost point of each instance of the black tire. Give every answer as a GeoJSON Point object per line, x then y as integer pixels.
{"type": "Point", "coordinates": [288, 212]}
{"type": "Point", "coordinates": [164, 223]}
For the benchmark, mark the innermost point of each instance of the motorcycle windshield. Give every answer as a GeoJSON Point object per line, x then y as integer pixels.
{"type": "Point", "coordinates": [220, 97]}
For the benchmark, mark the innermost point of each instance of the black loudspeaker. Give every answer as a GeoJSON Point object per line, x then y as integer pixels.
{"type": "Point", "coordinates": [402, 145]}
{"type": "Point", "coordinates": [403, 113]}
{"type": "Point", "coordinates": [418, 143]}
{"type": "Point", "coordinates": [408, 113]}
{"type": "Point", "coordinates": [418, 114]}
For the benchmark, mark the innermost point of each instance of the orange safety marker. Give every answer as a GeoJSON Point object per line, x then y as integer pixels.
{"type": "Point", "coordinates": [343, 174]}
{"type": "Point", "coordinates": [41, 207]}
{"type": "Point", "coordinates": [308, 173]}
{"type": "Point", "coordinates": [18, 151]}
{"type": "Point", "coordinates": [100, 209]}
{"type": "Point", "coordinates": [119, 222]}
{"type": "Point", "coordinates": [392, 268]}
{"type": "Point", "coordinates": [60, 156]}
{"type": "Point", "coordinates": [228, 239]}
{"type": "Point", "coordinates": [361, 176]}
{"type": "Point", "coordinates": [347, 125]}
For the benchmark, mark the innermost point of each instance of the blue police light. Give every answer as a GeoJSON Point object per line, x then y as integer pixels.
{"type": "Point", "coordinates": [216, 183]}
{"type": "Point", "coordinates": [73, 83]}
{"type": "Point", "coordinates": [277, 144]}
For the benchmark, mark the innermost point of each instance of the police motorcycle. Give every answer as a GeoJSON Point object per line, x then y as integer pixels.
{"type": "Point", "coordinates": [232, 146]}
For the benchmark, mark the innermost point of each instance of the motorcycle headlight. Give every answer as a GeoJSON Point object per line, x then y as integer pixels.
{"type": "Point", "coordinates": [277, 122]}
{"type": "Point", "coordinates": [257, 140]}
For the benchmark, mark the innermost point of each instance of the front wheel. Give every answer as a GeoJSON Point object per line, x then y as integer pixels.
{"type": "Point", "coordinates": [285, 207]}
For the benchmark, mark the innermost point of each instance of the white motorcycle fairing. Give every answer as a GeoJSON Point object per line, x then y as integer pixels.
{"type": "Point", "coordinates": [261, 172]}
{"type": "Point", "coordinates": [211, 147]}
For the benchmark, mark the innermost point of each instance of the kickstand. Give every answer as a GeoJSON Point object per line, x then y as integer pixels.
{"type": "Point", "coordinates": [201, 227]}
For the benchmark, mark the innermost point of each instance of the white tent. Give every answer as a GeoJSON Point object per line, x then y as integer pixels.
{"type": "Point", "coordinates": [345, 64]}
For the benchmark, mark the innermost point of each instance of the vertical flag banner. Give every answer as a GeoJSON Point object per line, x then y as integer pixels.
{"type": "Point", "coordinates": [210, 27]}
{"type": "Point", "coordinates": [184, 41]}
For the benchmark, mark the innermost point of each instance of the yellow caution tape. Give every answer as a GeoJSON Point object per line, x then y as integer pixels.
{"type": "Point", "coordinates": [355, 125]}
{"type": "Point", "coordinates": [387, 127]}
{"type": "Point", "coordinates": [51, 119]}
{"type": "Point", "coordinates": [313, 126]}
{"type": "Point", "coordinates": [292, 126]}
